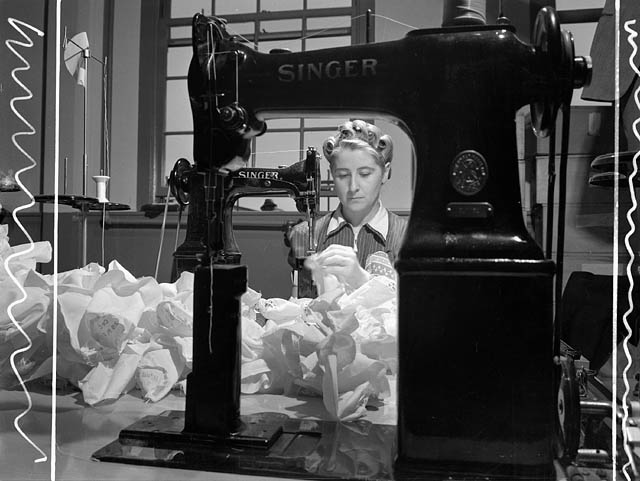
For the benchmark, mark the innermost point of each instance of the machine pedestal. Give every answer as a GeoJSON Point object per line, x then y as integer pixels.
{"type": "Point", "coordinates": [477, 381]}
{"type": "Point", "coordinates": [213, 387]}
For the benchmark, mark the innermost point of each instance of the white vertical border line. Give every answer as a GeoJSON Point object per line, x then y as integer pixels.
{"type": "Point", "coordinates": [616, 208]}
{"type": "Point", "coordinates": [631, 36]}
{"type": "Point", "coordinates": [54, 300]}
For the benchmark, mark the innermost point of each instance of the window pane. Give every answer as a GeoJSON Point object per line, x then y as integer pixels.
{"type": "Point", "coordinates": [188, 8]}
{"type": "Point", "coordinates": [316, 139]}
{"type": "Point", "coordinates": [314, 43]}
{"type": "Point", "coordinates": [246, 28]}
{"type": "Point", "coordinates": [573, 4]}
{"type": "Point", "coordinates": [180, 32]}
{"type": "Point", "coordinates": [283, 124]}
{"type": "Point", "coordinates": [328, 3]}
{"type": "Point", "coordinates": [235, 6]}
{"type": "Point", "coordinates": [178, 59]}
{"type": "Point", "coordinates": [331, 122]}
{"type": "Point", "coordinates": [277, 5]}
{"type": "Point", "coordinates": [277, 148]}
{"type": "Point", "coordinates": [333, 203]}
{"type": "Point", "coordinates": [178, 116]}
{"type": "Point", "coordinates": [318, 23]}
{"type": "Point", "coordinates": [176, 147]}
{"type": "Point", "coordinates": [289, 25]}
{"type": "Point", "coordinates": [293, 45]}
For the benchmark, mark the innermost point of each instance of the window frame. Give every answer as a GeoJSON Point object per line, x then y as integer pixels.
{"type": "Point", "coordinates": [155, 42]}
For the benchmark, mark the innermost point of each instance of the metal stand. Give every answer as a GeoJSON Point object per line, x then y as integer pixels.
{"type": "Point", "coordinates": [79, 202]}
{"type": "Point", "coordinates": [83, 203]}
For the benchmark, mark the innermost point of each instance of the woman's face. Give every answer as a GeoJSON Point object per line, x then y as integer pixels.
{"type": "Point", "coordinates": [358, 180]}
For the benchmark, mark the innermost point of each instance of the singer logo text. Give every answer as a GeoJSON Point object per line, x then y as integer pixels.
{"type": "Point", "coordinates": [333, 69]}
{"type": "Point", "coordinates": [262, 174]}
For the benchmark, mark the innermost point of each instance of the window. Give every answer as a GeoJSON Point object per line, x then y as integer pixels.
{"type": "Point", "coordinates": [298, 25]}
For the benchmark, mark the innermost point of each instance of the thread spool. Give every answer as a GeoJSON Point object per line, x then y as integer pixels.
{"type": "Point", "coordinates": [464, 12]}
{"type": "Point", "coordinates": [101, 187]}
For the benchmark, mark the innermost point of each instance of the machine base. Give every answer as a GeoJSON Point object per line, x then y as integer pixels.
{"type": "Point", "coordinates": [258, 431]}
{"type": "Point", "coordinates": [272, 444]}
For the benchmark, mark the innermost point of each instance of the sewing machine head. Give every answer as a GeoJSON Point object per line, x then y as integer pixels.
{"type": "Point", "coordinates": [455, 92]}
{"type": "Point", "coordinates": [298, 180]}
{"type": "Point", "coordinates": [301, 181]}
{"type": "Point", "coordinates": [479, 393]}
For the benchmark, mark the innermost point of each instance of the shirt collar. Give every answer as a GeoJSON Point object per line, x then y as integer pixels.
{"type": "Point", "coordinates": [379, 222]}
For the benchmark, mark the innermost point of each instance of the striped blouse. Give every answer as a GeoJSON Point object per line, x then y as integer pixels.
{"type": "Point", "coordinates": [333, 229]}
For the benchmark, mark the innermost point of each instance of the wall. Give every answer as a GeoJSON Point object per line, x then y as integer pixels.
{"type": "Point", "coordinates": [589, 209]}
{"type": "Point", "coordinates": [32, 13]}
{"type": "Point", "coordinates": [77, 16]}
{"type": "Point", "coordinates": [124, 85]}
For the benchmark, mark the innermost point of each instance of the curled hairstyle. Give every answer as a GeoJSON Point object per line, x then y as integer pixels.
{"type": "Point", "coordinates": [358, 134]}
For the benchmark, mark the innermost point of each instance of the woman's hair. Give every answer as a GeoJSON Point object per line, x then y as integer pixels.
{"type": "Point", "coordinates": [360, 135]}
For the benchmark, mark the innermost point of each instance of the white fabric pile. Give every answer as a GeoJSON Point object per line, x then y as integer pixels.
{"type": "Point", "coordinates": [117, 332]}
{"type": "Point", "coordinates": [31, 314]}
{"type": "Point", "coordinates": [337, 346]}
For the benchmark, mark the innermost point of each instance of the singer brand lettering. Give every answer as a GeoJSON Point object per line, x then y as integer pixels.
{"type": "Point", "coordinates": [262, 174]}
{"type": "Point", "coordinates": [333, 69]}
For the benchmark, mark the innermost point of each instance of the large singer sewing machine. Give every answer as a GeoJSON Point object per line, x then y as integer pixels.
{"type": "Point", "coordinates": [475, 290]}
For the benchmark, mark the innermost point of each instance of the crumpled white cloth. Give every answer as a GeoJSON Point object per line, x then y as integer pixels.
{"type": "Point", "coordinates": [28, 309]}
{"type": "Point", "coordinates": [26, 259]}
{"type": "Point", "coordinates": [330, 350]}
{"type": "Point", "coordinates": [117, 332]}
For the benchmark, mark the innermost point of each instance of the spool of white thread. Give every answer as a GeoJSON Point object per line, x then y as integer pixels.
{"type": "Point", "coordinates": [101, 187]}
{"type": "Point", "coordinates": [464, 12]}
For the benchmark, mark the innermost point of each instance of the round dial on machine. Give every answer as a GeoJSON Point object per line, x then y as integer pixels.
{"type": "Point", "coordinates": [469, 172]}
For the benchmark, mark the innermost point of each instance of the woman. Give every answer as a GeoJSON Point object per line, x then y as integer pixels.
{"type": "Point", "coordinates": [360, 229]}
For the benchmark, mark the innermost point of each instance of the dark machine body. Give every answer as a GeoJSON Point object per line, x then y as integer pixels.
{"type": "Point", "coordinates": [210, 249]}
{"type": "Point", "coordinates": [478, 354]}
{"type": "Point", "coordinates": [211, 198]}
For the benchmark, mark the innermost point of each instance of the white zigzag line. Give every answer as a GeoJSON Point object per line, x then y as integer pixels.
{"type": "Point", "coordinates": [31, 131]}
{"type": "Point", "coordinates": [632, 229]}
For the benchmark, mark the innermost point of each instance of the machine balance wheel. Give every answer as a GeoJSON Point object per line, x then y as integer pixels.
{"type": "Point", "coordinates": [179, 181]}
{"type": "Point", "coordinates": [568, 409]}
{"type": "Point", "coordinates": [557, 51]}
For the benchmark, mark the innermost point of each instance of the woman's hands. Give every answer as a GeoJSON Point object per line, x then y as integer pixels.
{"type": "Point", "coordinates": [342, 262]}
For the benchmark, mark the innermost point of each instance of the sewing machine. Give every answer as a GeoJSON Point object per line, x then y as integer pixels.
{"type": "Point", "coordinates": [479, 362]}
{"type": "Point", "coordinates": [213, 219]}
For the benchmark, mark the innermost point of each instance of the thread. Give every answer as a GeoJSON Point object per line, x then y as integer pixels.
{"type": "Point", "coordinates": [464, 12]}
{"type": "Point", "coordinates": [164, 224]}
{"type": "Point", "coordinates": [101, 187]}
